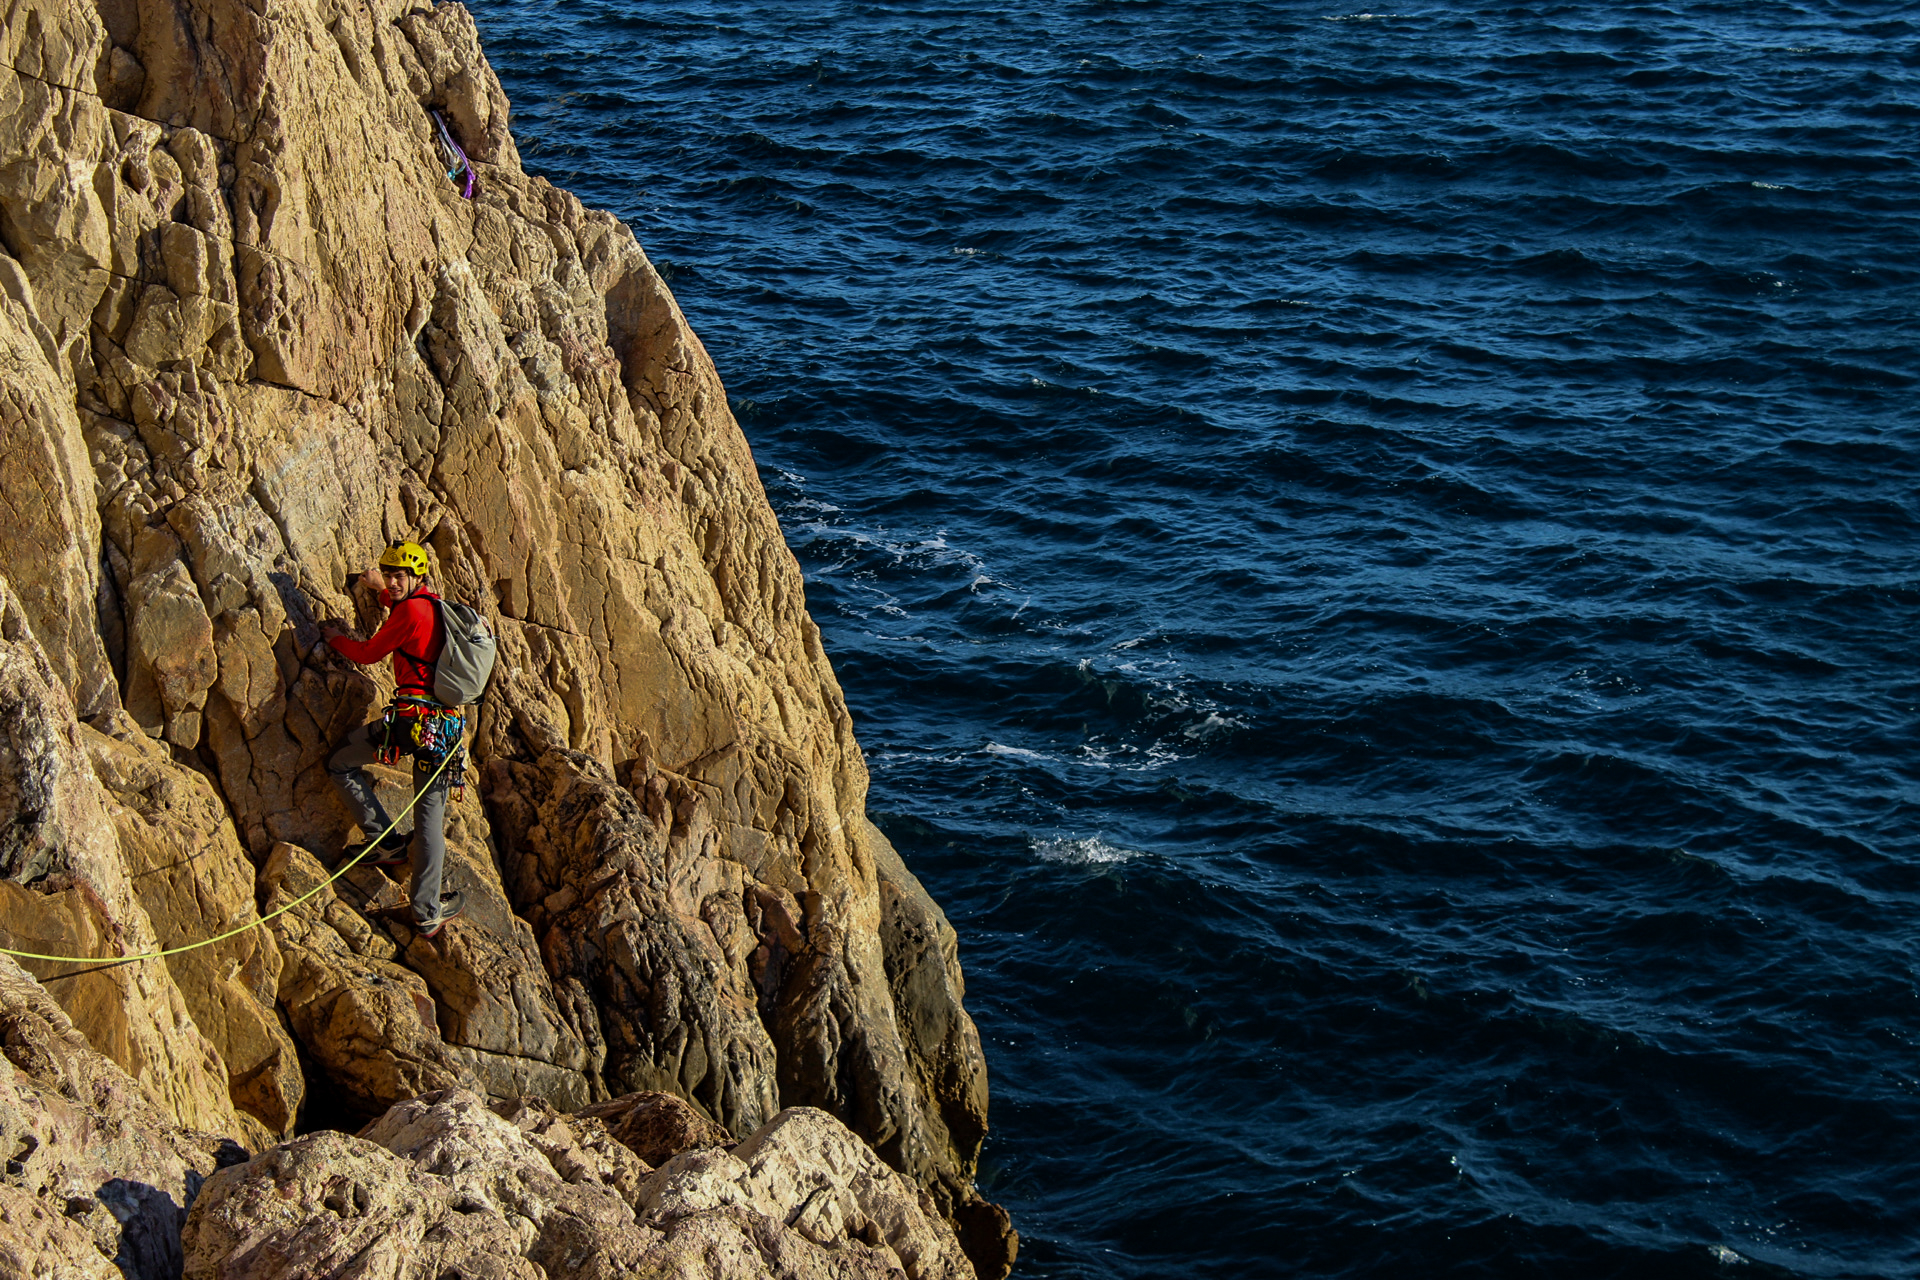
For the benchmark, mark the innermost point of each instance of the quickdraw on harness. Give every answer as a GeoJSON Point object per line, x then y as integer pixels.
{"type": "Point", "coordinates": [459, 168]}
{"type": "Point", "coordinates": [429, 731]}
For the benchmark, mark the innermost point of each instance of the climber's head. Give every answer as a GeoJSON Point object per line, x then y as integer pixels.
{"type": "Point", "coordinates": [404, 564]}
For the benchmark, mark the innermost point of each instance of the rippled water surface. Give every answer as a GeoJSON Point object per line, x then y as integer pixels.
{"type": "Point", "coordinates": [1373, 556]}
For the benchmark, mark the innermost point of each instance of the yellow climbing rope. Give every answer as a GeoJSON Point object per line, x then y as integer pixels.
{"type": "Point", "coordinates": [108, 962]}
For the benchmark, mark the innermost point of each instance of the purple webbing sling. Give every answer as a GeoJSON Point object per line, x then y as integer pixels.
{"type": "Point", "coordinates": [457, 161]}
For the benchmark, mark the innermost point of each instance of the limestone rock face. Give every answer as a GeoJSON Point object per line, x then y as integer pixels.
{"type": "Point", "coordinates": [67, 888]}
{"type": "Point", "coordinates": [657, 945]}
{"type": "Point", "coordinates": [194, 882]}
{"type": "Point", "coordinates": [248, 333]}
{"type": "Point", "coordinates": [367, 1022]}
{"type": "Point", "coordinates": [99, 1178]}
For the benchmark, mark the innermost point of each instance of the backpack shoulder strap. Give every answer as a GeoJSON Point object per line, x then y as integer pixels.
{"type": "Point", "coordinates": [414, 658]}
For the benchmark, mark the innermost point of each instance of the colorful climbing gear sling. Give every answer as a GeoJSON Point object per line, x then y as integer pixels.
{"type": "Point", "coordinates": [422, 727]}
{"type": "Point", "coordinates": [459, 168]}
{"type": "Point", "coordinates": [428, 731]}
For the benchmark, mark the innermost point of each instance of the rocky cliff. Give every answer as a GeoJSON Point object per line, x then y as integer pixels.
{"type": "Point", "coordinates": [249, 331]}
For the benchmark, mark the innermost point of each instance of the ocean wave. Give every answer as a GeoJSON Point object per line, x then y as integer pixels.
{"type": "Point", "coordinates": [1443, 482]}
{"type": "Point", "coordinates": [1082, 851]}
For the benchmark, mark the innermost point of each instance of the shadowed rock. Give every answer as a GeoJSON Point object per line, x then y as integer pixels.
{"type": "Point", "coordinates": [657, 1126]}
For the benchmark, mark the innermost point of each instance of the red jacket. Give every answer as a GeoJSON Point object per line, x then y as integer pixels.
{"type": "Point", "coordinates": [412, 631]}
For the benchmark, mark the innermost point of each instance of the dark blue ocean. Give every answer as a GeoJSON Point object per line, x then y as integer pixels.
{"type": "Point", "coordinates": [1373, 556]}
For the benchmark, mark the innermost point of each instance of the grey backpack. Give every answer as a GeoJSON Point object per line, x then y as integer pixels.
{"type": "Point", "coordinates": [466, 660]}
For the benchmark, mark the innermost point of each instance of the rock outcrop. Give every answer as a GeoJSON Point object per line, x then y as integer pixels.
{"type": "Point", "coordinates": [248, 333]}
{"type": "Point", "coordinates": [97, 1177]}
{"type": "Point", "coordinates": [444, 1185]}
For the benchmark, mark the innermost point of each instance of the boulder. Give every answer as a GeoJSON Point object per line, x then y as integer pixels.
{"type": "Point", "coordinates": [334, 1204]}
{"type": "Point", "coordinates": [444, 1183]}
{"type": "Point", "coordinates": [37, 1240]}
{"type": "Point", "coordinates": [656, 1126]}
{"type": "Point", "coordinates": [581, 1228]}
{"type": "Point", "coordinates": [806, 1171]}
{"type": "Point", "coordinates": [579, 1146]}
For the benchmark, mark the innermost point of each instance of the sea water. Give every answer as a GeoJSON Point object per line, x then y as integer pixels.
{"type": "Point", "coordinates": [1372, 555]}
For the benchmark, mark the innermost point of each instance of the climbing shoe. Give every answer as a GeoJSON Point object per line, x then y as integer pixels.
{"type": "Point", "coordinates": [390, 852]}
{"type": "Point", "coordinates": [451, 905]}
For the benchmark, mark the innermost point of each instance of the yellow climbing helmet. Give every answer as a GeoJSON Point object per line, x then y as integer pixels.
{"type": "Point", "coordinates": [410, 556]}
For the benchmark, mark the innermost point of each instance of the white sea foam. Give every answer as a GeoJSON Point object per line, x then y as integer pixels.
{"type": "Point", "coordinates": [1119, 757]}
{"type": "Point", "coordinates": [1768, 186]}
{"type": "Point", "coordinates": [1082, 851]}
{"type": "Point", "coordinates": [1125, 758]}
{"type": "Point", "coordinates": [917, 759]}
{"type": "Point", "coordinates": [930, 550]}
{"type": "Point", "coordinates": [1214, 723]}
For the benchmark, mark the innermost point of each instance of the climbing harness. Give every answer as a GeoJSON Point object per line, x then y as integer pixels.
{"type": "Point", "coordinates": [115, 961]}
{"type": "Point", "coordinates": [459, 168]}
{"type": "Point", "coordinates": [433, 729]}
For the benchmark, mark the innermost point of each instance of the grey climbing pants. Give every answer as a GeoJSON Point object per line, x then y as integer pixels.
{"type": "Point", "coordinates": [427, 851]}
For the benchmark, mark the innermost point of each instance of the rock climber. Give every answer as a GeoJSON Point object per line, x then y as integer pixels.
{"type": "Point", "coordinates": [415, 724]}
